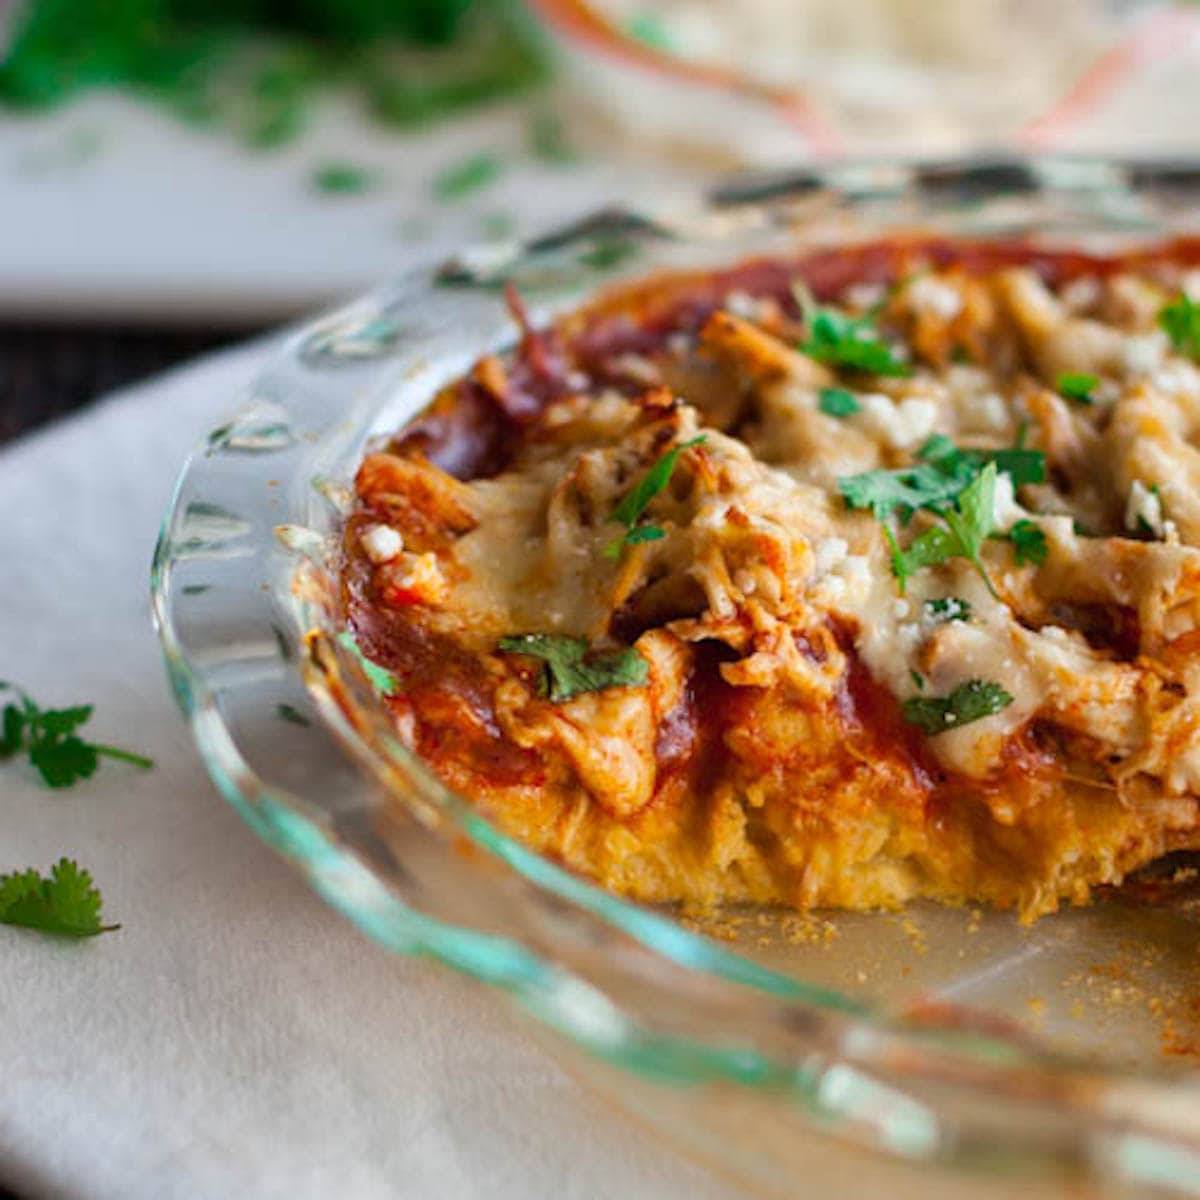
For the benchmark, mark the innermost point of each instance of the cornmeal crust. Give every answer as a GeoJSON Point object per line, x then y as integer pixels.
{"type": "Point", "coordinates": [769, 751]}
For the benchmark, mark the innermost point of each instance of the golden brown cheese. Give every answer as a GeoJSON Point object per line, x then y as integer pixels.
{"type": "Point", "coordinates": [765, 755]}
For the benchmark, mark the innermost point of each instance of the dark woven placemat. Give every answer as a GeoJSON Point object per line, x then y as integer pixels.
{"type": "Point", "coordinates": [49, 370]}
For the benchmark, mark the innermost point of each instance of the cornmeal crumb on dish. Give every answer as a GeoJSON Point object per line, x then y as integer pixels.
{"type": "Point", "coordinates": [836, 581]}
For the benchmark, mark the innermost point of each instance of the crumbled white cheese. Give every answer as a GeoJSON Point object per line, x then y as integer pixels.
{"type": "Point", "coordinates": [1081, 293]}
{"type": "Point", "coordinates": [908, 637]}
{"type": "Point", "coordinates": [1056, 633]}
{"type": "Point", "coordinates": [900, 608]}
{"type": "Point", "coordinates": [577, 381]}
{"type": "Point", "coordinates": [1142, 354]}
{"type": "Point", "coordinates": [1145, 505]}
{"type": "Point", "coordinates": [902, 425]}
{"type": "Point", "coordinates": [929, 294]}
{"type": "Point", "coordinates": [1176, 379]}
{"type": "Point", "coordinates": [381, 543]}
{"type": "Point", "coordinates": [829, 552]}
{"type": "Point", "coordinates": [422, 575]}
{"type": "Point", "coordinates": [743, 305]}
{"type": "Point", "coordinates": [864, 295]}
{"type": "Point", "coordinates": [993, 411]}
{"type": "Point", "coordinates": [1006, 512]}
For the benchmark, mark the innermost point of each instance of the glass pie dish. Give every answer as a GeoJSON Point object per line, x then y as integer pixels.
{"type": "Point", "coordinates": [862, 1050]}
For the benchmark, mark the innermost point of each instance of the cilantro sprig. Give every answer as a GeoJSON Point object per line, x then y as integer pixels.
{"type": "Point", "coordinates": [854, 342]}
{"type": "Point", "coordinates": [937, 478]}
{"type": "Point", "coordinates": [1077, 386]}
{"type": "Point", "coordinates": [1181, 321]}
{"type": "Point", "coordinates": [633, 504]}
{"type": "Point", "coordinates": [569, 669]}
{"type": "Point", "coordinates": [970, 701]}
{"type": "Point", "coordinates": [49, 737]}
{"type": "Point", "coordinates": [65, 902]}
{"type": "Point", "coordinates": [966, 528]}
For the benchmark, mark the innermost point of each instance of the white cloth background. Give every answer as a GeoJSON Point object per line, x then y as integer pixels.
{"type": "Point", "coordinates": [235, 1038]}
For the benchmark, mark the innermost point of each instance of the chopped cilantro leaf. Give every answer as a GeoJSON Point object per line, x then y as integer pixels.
{"type": "Point", "coordinates": [343, 179]}
{"type": "Point", "coordinates": [837, 402]}
{"type": "Point", "coordinates": [967, 526]}
{"type": "Point", "coordinates": [608, 252]}
{"type": "Point", "coordinates": [66, 902]}
{"type": "Point", "coordinates": [1077, 386]}
{"type": "Point", "coordinates": [970, 701]}
{"type": "Point", "coordinates": [948, 608]}
{"type": "Point", "coordinates": [918, 680]}
{"type": "Point", "coordinates": [934, 482]}
{"type": "Point", "coordinates": [470, 175]}
{"type": "Point", "coordinates": [568, 668]}
{"type": "Point", "coordinates": [633, 504]}
{"type": "Point", "coordinates": [547, 140]}
{"type": "Point", "coordinates": [645, 533]}
{"type": "Point", "coordinates": [291, 714]}
{"type": "Point", "coordinates": [1022, 466]}
{"type": "Point", "coordinates": [48, 736]}
{"type": "Point", "coordinates": [1181, 321]}
{"type": "Point", "coordinates": [903, 490]}
{"type": "Point", "coordinates": [852, 342]}
{"type": "Point", "coordinates": [1029, 543]}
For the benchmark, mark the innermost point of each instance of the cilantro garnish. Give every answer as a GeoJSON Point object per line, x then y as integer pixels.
{"type": "Point", "coordinates": [343, 179]}
{"type": "Point", "coordinates": [967, 527]}
{"type": "Point", "coordinates": [948, 608]}
{"type": "Point", "coordinates": [569, 669]}
{"type": "Point", "coordinates": [1077, 386]}
{"type": "Point", "coordinates": [470, 175]}
{"type": "Point", "coordinates": [608, 252]}
{"type": "Point", "coordinates": [48, 736]}
{"type": "Point", "coordinates": [547, 139]}
{"type": "Point", "coordinates": [837, 402]}
{"type": "Point", "coordinates": [853, 342]}
{"type": "Point", "coordinates": [970, 701]}
{"type": "Point", "coordinates": [629, 511]}
{"type": "Point", "coordinates": [1181, 321]}
{"type": "Point", "coordinates": [65, 902]}
{"type": "Point", "coordinates": [937, 479]}
{"type": "Point", "coordinates": [1029, 543]}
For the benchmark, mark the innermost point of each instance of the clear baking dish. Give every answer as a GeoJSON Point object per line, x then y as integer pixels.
{"type": "Point", "coordinates": [854, 1051]}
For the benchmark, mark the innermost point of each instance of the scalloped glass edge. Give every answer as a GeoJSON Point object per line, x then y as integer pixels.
{"type": "Point", "coordinates": [241, 587]}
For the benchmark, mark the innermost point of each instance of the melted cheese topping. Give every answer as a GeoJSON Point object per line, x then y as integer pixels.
{"type": "Point", "coordinates": [766, 756]}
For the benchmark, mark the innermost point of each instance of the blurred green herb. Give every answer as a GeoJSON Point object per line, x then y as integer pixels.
{"type": "Point", "coordinates": [256, 65]}
{"type": "Point", "coordinates": [608, 252]}
{"type": "Point", "coordinates": [837, 402]}
{"type": "Point", "coordinates": [462, 178]}
{"type": "Point", "coordinates": [1181, 321]}
{"type": "Point", "coordinates": [343, 179]}
{"type": "Point", "coordinates": [546, 137]}
{"type": "Point", "coordinates": [1077, 386]}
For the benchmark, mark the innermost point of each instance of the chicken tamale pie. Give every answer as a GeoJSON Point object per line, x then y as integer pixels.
{"type": "Point", "coordinates": [843, 580]}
